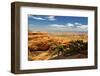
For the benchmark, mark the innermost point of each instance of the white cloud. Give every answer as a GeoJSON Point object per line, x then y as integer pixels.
{"type": "Point", "coordinates": [51, 18]}
{"type": "Point", "coordinates": [57, 26]}
{"type": "Point", "coordinates": [70, 24]}
{"type": "Point", "coordinates": [37, 18]}
{"type": "Point", "coordinates": [84, 27]}
{"type": "Point", "coordinates": [76, 23]}
{"type": "Point", "coordinates": [70, 27]}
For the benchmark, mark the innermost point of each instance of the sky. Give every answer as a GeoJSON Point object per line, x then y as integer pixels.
{"type": "Point", "coordinates": [50, 23]}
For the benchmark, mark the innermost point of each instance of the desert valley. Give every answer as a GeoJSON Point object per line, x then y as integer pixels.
{"type": "Point", "coordinates": [59, 45]}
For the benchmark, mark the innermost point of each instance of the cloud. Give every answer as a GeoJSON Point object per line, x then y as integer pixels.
{"type": "Point", "coordinates": [37, 18]}
{"type": "Point", "coordinates": [77, 24]}
{"type": "Point", "coordinates": [51, 18]}
{"type": "Point", "coordinates": [70, 24]}
{"type": "Point", "coordinates": [85, 27]}
{"type": "Point", "coordinates": [57, 26]}
{"type": "Point", "coordinates": [70, 27]}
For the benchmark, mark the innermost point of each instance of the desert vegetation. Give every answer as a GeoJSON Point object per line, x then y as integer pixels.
{"type": "Point", "coordinates": [48, 46]}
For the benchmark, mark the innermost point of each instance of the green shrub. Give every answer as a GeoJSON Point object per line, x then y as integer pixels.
{"type": "Point", "coordinates": [75, 47]}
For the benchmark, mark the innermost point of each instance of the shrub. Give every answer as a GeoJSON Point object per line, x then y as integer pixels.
{"type": "Point", "coordinates": [75, 47]}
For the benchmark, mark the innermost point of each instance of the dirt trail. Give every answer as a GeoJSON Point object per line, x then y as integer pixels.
{"type": "Point", "coordinates": [42, 56]}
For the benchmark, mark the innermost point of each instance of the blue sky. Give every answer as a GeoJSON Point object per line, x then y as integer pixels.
{"type": "Point", "coordinates": [51, 23]}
